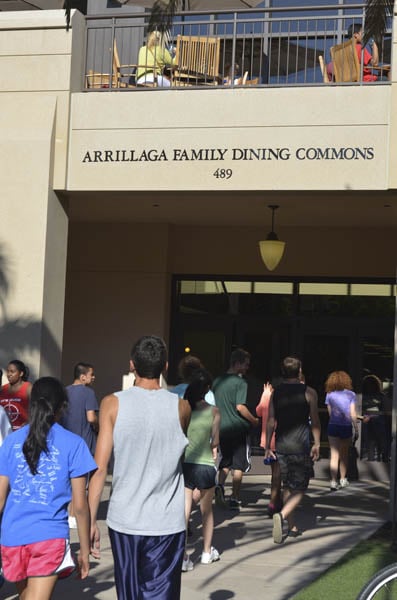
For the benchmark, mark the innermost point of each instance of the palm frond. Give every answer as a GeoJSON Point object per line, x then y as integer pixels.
{"type": "Point", "coordinates": [377, 14]}
{"type": "Point", "coordinates": [162, 15]}
{"type": "Point", "coordinates": [67, 5]}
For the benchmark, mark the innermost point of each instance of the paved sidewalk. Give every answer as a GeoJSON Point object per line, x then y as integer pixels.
{"type": "Point", "coordinates": [251, 565]}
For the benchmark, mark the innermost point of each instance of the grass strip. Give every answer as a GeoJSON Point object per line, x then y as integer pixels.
{"type": "Point", "coordinates": [345, 578]}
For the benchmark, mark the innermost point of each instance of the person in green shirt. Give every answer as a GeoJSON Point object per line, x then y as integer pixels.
{"type": "Point", "coordinates": [199, 468]}
{"type": "Point", "coordinates": [230, 392]}
{"type": "Point", "coordinates": [153, 60]}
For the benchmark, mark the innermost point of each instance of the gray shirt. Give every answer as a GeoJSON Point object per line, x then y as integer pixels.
{"type": "Point", "coordinates": [148, 488]}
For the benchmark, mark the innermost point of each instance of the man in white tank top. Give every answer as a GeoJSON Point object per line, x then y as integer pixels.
{"type": "Point", "coordinates": [145, 426]}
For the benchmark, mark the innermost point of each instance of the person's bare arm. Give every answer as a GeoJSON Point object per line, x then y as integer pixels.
{"type": "Point", "coordinates": [82, 513]}
{"type": "Point", "coordinates": [353, 415]}
{"type": "Point", "coordinates": [4, 488]}
{"type": "Point", "coordinates": [311, 397]}
{"type": "Point", "coordinates": [271, 423]}
{"type": "Point", "coordinates": [215, 427]}
{"type": "Point", "coordinates": [267, 392]}
{"type": "Point", "coordinates": [92, 418]}
{"type": "Point", "coordinates": [107, 419]}
{"type": "Point", "coordinates": [244, 412]}
{"type": "Point", "coordinates": [375, 54]}
{"type": "Point", "coordinates": [184, 414]}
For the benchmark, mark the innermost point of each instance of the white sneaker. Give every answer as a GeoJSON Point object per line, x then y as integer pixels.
{"type": "Point", "coordinates": [72, 522]}
{"type": "Point", "coordinates": [344, 483]}
{"type": "Point", "coordinates": [333, 486]}
{"type": "Point", "coordinates": [187, 565]}
{"type": "Point", "coordinates": [210, 557]}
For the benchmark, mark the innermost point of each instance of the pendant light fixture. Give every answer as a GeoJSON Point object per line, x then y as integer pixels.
{"type": "Point", "coordinates": [272, 249]}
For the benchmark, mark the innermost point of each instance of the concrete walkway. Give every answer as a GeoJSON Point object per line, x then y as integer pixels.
{"type": "Point", "coordinates": [251, 565]}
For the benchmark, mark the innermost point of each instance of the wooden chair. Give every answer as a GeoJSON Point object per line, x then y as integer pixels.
{"type": "Point", "coordinates": [345, 62]}
{"type": "Point", "coordinates": [347, 67]}
{"type": "Point", "coordinates": [242, 80]}
{"type": "Point", "coordinates": [197, 60]}
{"type": "Point", "coordinates": [254, 81]}
{"type": "Point", "coordinates": [323, 68]}
{"type": "Point", "coordinates": [125, 74]}
{"type": "Point", "coordinates": [237, 81]}
{"type": "Point", "coordinates": [95, 80]}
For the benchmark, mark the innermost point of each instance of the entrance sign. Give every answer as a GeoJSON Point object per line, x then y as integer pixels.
{"type": "Point", "coordinates": [253, 140]}
{"type": "Point", "coordinates": [257, 159]}
{"type": "Point", "coordinates": [226, 154]}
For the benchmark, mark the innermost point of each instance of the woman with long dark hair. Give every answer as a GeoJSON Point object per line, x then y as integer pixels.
{"type": "Point", "coordinates": [199, 469]}
{"type": "Point", "coordinates": [15, 395]}
{"type": "Point", "coordinates": [42, 466]}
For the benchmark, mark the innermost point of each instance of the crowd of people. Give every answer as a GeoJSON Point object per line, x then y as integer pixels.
{"type": "Point", "coordinates": [170, 449]}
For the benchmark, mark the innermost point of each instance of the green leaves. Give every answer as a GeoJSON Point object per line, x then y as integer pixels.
{"type": "Point", "coordinates": [162, 15]}
{"type": "Point", "coordinates": [377, 13]}
{"type": "Point", "coordinates": [67, 5]}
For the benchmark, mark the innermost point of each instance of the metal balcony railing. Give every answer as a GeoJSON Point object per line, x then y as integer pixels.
{"type": "Point", "coordinates": [259, 47]}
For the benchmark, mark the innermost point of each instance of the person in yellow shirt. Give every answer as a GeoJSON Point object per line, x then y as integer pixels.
{"type": "Point", "coordinates": [153, 59]}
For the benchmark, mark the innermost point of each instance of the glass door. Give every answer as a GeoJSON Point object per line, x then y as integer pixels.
{"type": "Point", "coordinates": [207, 337]}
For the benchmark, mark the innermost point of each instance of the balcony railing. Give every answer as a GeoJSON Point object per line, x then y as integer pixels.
{"type": "Point", "coordinates": [258, 47]}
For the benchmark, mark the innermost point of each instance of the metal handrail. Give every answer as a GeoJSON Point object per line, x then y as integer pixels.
{"type": "Point", "coordinates": [286, 46]}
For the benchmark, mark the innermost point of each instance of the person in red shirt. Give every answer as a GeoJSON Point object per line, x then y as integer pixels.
{"type": "Point", "coordinates": [356, 31]}
{"type": "Point", "coordinates": [369, 60]}
{"type": "Point", "coordinates": [15, 395]}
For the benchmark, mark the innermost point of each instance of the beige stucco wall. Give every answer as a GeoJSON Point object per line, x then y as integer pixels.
{"type": "Point", "coordinates": [117, 290]}
{"type": "Point", "coordinates": [33, 235]}
{"type": "Point", "coordinates": [226, 121]}
{"type": "Point", "coordinates": [35, 82]}
{"type": "Point", "coordinates": [393, 113]}
{"type": "Point", "coordinates": [36, 58]}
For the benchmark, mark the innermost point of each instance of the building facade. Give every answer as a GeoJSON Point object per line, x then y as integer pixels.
{"type": "Point", "coordinates": [126, 212]}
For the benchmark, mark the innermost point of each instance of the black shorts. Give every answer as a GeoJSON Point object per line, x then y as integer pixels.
{"type": "Point", "coordinates": [344, 432]}
{"type": "Point", "coordinates": [201, 477]}
{"type": "Point", "coordinates": [236, 453]}
{"type": "Point", "coordinates": [296, 470]}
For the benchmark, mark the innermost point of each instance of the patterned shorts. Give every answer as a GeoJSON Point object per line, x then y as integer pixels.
{"type": "Point", "coordinates": [296, 470]}
{"type": "Point", "coordinates": [40, 559]}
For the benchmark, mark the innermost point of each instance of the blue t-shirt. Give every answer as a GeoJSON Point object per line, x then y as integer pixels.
{"type": "Point", "coordinates": [36, 507]}
{"type": "Point", "coordinates": [74, 418]}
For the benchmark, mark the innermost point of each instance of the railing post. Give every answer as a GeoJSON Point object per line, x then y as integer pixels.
{"type": "Point", "coordinates": [113, 37]}
{"type": "Point", "coordinates": [233, 67]}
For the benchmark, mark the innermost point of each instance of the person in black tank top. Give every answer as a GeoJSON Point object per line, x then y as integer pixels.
{"type": "Point", "coordinates": [292, 411]}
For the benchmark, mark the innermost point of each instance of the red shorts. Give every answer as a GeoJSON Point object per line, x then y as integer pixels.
{"type": "Point", "coordinates": [40, 559]}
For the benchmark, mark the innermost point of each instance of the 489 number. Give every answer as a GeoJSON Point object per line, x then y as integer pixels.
{"type": "Point", "coordinates": [223, 173]}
